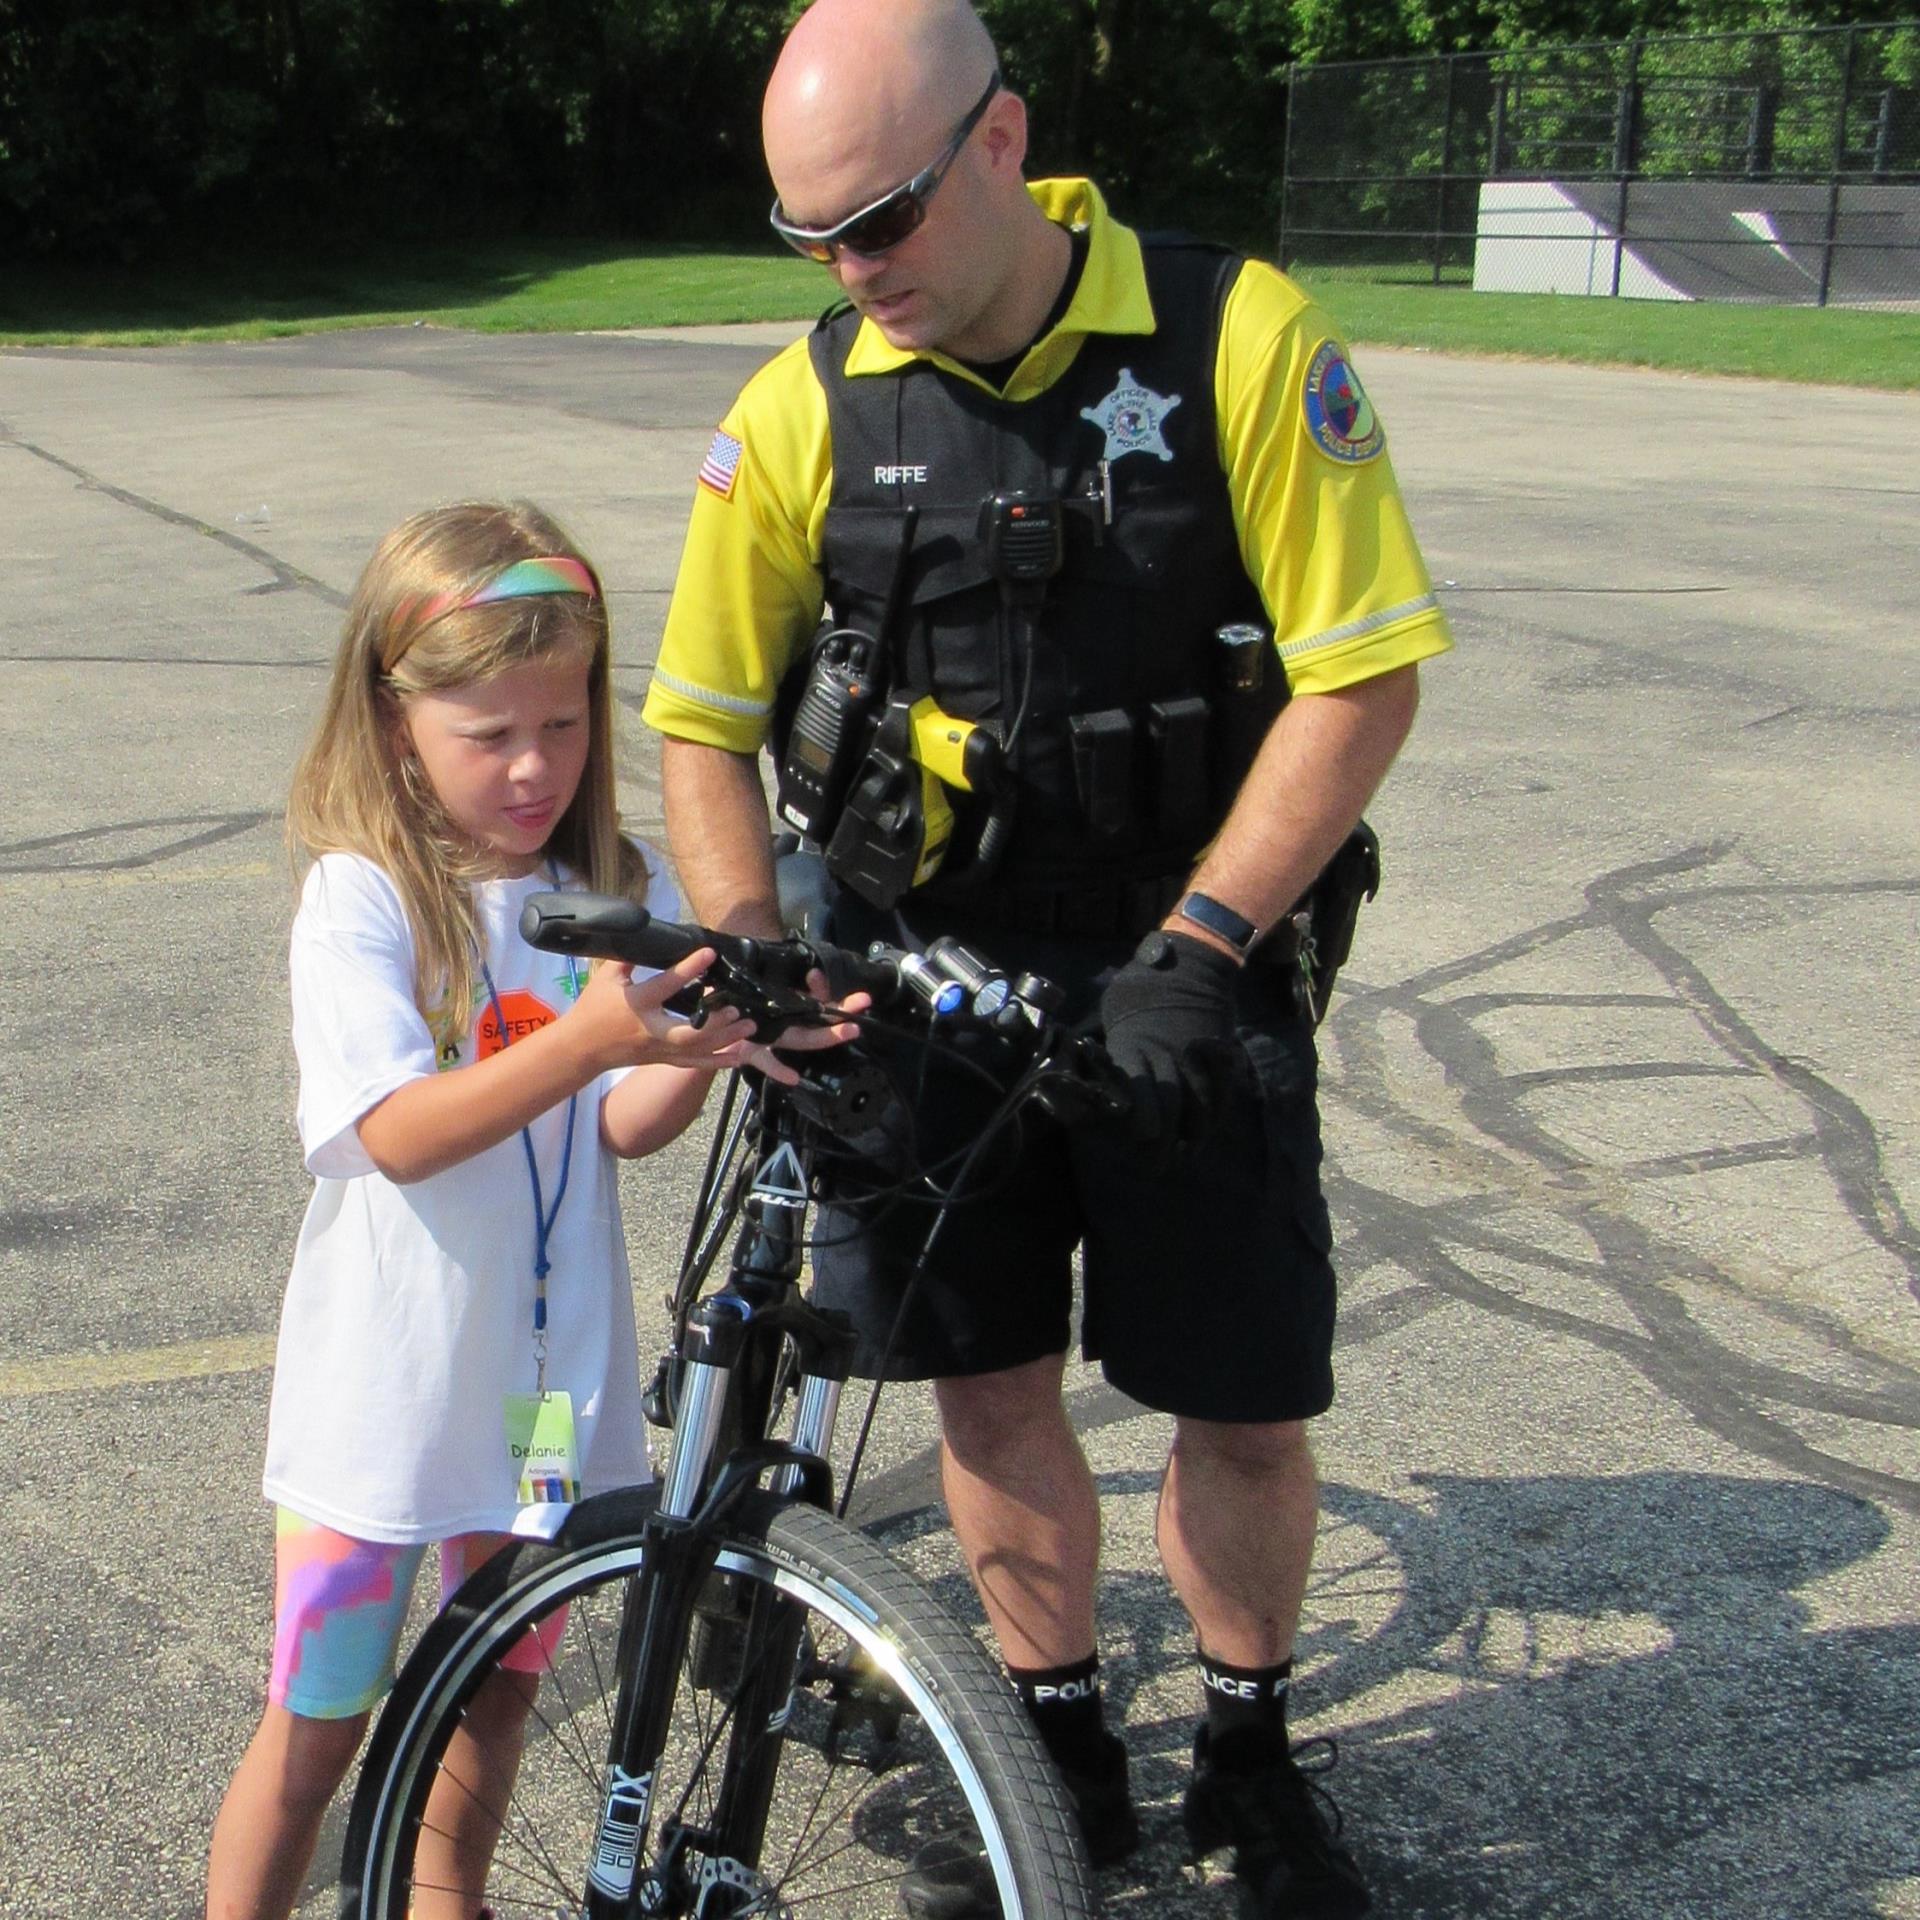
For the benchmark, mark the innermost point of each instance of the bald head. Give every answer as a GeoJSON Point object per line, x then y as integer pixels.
{"type": "Point", "coordinates": [864, 89]}
{"type": "Point", "coordinates": [869, 94]}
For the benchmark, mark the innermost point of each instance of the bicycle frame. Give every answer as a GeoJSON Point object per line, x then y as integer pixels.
{"type": "Point", "coordinates": [717, 1386]}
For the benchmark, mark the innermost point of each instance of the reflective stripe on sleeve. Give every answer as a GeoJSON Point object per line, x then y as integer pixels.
{"type": "Point", "coordinates": [1367, 623]}
{"type": "Point", "coordinates": [706, 697]}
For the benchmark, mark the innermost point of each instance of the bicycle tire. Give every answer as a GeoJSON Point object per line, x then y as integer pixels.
{"type": "Point", "coordinates": [966, 1765]}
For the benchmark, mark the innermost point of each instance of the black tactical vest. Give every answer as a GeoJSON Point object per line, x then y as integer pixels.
{"type": "Point", "coordinates": [1127, 627]}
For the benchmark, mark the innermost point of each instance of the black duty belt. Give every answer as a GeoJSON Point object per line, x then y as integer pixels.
{"type": "Point", "coordinates": [1101, 910]}
{"type": "Point", "coordinates": [1094, 910]}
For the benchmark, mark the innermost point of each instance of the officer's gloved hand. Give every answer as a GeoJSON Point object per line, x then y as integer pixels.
{"type": "Point", "coordinates": [1168, 1015]}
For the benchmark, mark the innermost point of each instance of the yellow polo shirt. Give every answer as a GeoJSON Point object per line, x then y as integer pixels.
{"type": "Point", "coordinates": [1322, 529]}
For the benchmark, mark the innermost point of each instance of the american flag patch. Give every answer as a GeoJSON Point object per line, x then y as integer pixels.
{"type": "Point", "coordinates": [721, 465]}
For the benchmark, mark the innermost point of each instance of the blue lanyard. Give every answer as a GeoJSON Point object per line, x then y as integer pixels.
{"type": "Point", "coordinates": [543, 1216]}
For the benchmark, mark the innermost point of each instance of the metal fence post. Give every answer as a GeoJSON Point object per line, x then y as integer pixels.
{"type": "Point", "coordinates": [1446, 168]}
{"type": "Point", "coordinates": [1626, 141]}
{"type": "Point", "coordinates": [1839, 165]}
{"type": "Point", "coordinates": [1626, 113]}
{"type": "Point", "coordinates": [1497, 138]}
{"type": "Point", "coordinates": [1760, 127]}
{"type": "Point", "coordinates": [1286, 172]}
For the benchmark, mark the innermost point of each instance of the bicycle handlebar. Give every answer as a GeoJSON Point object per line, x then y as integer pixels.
{"type": "Point", "coordinates": [601, 927]}
{"type": "Point", "coordinates": [949, 985]}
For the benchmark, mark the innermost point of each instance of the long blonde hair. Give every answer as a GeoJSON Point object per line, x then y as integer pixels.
{"type": "Point", "coordinates": [357, 789]}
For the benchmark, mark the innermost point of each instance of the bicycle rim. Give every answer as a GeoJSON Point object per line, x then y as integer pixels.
{"type": "Point", "coordinates": [898, 1734]}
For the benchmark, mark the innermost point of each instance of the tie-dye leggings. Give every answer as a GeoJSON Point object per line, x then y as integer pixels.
{"type": "Point", "coordinates": [340, 1605]}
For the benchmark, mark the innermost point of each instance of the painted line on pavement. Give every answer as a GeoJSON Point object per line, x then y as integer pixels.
{"type": "Point", "coordinates": [137, 1367]}
{"type": "Point", "coordinates": [81, 878]}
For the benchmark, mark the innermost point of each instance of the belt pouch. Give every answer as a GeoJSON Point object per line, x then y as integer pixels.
{"type": "Point", "coordinates": [1177, 739]}
{"type": "Point", "coordinates": [1103, 768]}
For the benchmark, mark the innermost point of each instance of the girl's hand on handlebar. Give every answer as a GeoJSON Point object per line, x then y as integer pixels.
{"type": "Point", "coordinates": [809, 1039]}
{"type": "Point", "coordinates": [628, 1024]}
{"type": "Point", "coordinates": [822, 990]}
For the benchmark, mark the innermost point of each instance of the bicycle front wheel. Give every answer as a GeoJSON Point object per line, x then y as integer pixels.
{"type": "Point", "coordinates": [896, 1740]}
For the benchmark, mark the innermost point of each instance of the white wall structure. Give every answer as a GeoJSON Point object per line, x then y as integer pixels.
{"type": "Point", "coordinates": [1770, 242]}
{"type": "Point", "coordinates": [1533, 237]}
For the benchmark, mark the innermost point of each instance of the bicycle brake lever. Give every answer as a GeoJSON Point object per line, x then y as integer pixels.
{"type": "Point", "coordinates": [772, 1011]}
{"type": "Point", "coordinates": [1084, 1085]}
{"type": "Point", "coordinates": [690, 1003]}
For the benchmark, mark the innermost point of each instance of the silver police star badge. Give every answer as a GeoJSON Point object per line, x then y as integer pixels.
{"type": "Point", "coordinates": [1130, 417]}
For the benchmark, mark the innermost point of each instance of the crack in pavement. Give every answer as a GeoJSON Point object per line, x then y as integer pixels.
{"type": "Point", "coordinates": [286, 578]}
{"type": "Point", "coordinates": [1509, 1156]}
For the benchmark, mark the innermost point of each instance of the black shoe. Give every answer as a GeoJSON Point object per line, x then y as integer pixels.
{"type": "Point", "coordinates": [1108, 1824]}
{"type": "Point", "coordinates": [950, 1880]}
{"type": "Point", "coordinates": [1250, 1793]}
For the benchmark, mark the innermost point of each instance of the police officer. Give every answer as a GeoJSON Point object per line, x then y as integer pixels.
{"type": "Point", "coordinates": [1189, 436]}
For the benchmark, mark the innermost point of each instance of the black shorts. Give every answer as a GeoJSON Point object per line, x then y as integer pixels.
{"type": "Point", "coordinates": [1208, 1286]}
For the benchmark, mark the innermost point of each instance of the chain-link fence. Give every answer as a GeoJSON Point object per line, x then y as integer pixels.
{"type": "Point", "coordinates": [1779, 167]}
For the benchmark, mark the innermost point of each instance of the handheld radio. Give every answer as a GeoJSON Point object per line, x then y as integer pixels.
{"type": "Point", "coordinates": [829, 734]}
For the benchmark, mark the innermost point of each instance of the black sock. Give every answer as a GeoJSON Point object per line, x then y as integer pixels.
{"type": "Point", "coordinates": [1065, 1707]}
{"type": "Point", "coordinates": [1246, 1700]}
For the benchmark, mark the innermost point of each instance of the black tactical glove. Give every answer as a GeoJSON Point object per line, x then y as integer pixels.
{"type": "Point", "coordinates": [1168, 1015]}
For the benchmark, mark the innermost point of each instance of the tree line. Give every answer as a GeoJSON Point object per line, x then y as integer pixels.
{"type": "Point", "coordinates": [134, 129]}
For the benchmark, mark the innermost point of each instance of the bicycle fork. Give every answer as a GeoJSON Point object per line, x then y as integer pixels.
{"type": "Point", "coordinates": [660, 1612]}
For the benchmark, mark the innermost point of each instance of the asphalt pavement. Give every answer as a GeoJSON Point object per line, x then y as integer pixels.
{"type": "Point", "coordinates": [1617, 1609]}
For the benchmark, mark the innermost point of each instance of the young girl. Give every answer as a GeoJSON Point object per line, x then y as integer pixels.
{"type": "Point", "coordinates": [461, 1271]}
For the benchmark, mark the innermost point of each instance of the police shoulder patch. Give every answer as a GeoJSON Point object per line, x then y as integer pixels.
{"type": "Point", "coordinates": [1340, 418]}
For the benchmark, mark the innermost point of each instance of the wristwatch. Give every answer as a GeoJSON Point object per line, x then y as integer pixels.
{"type": "Point", "coordinates": [1205, 911]}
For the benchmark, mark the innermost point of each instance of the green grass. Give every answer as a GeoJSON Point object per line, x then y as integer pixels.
{"type": "Point", "coordinates": [562, 287]}
{"type": "Point", "coordinates": [581, 286]}
{"type": "Point", "coordinates": [1832, 346]}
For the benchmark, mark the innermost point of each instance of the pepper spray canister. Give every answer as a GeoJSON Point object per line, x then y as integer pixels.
{"type": "Point", "coordinates": [1242, 705]}
{"type": "Point", "coordinates": [1243, 657]}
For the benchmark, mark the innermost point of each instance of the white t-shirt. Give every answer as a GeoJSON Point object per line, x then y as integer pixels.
{"type": "Point", "coordinates": [409, 1314]}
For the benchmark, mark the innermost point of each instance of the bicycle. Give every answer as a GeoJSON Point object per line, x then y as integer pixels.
{"type": "Point", "coordinates": [752, 1709]}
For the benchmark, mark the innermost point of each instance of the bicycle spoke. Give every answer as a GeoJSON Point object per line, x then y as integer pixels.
{"type": "Point", "coordinates": [604, 1692]}
{"type": "Point", "coordinates": [709, 1730]}
{"type": "Point", "coordinates": [820, 1896]}
{"type": "Point", "coordinates": [547, 1887]}
{"type": "Point", "coordinates": [570, 1741]}
{"type": "Point", "coordinates": [697, 1771]}
{"type": "Point", "coordinates": [504, 1832]}
{"type": "Point", "coordinates": [788, 1872]}
{"type": "Point", "coordinates": [548, 1883]}
{"type": "Point", "coordinates": [815, 1858]}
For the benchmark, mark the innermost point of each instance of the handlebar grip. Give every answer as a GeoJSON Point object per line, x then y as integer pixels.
{"type": "Point", "coordinates": [602, 927]}
{"type": "Point", "coordinates": [849, 972]}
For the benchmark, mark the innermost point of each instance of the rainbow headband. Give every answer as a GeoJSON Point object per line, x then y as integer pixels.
{"type": "Point", "coordinates": [558, 574]}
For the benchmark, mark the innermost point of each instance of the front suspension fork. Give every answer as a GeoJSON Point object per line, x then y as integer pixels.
{"type": "Point", "coordinates": [658, 1618]}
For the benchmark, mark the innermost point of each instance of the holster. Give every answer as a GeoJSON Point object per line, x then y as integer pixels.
{"type": "Point", "coordinates": [1315, 936]}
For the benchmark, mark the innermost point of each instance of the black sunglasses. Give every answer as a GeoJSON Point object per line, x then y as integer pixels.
{"type": "Point", "coordinates": [891, 218]}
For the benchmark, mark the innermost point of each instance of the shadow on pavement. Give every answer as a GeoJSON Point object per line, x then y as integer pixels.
{"type": "Point", "coordinates": [1573, 1696]}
